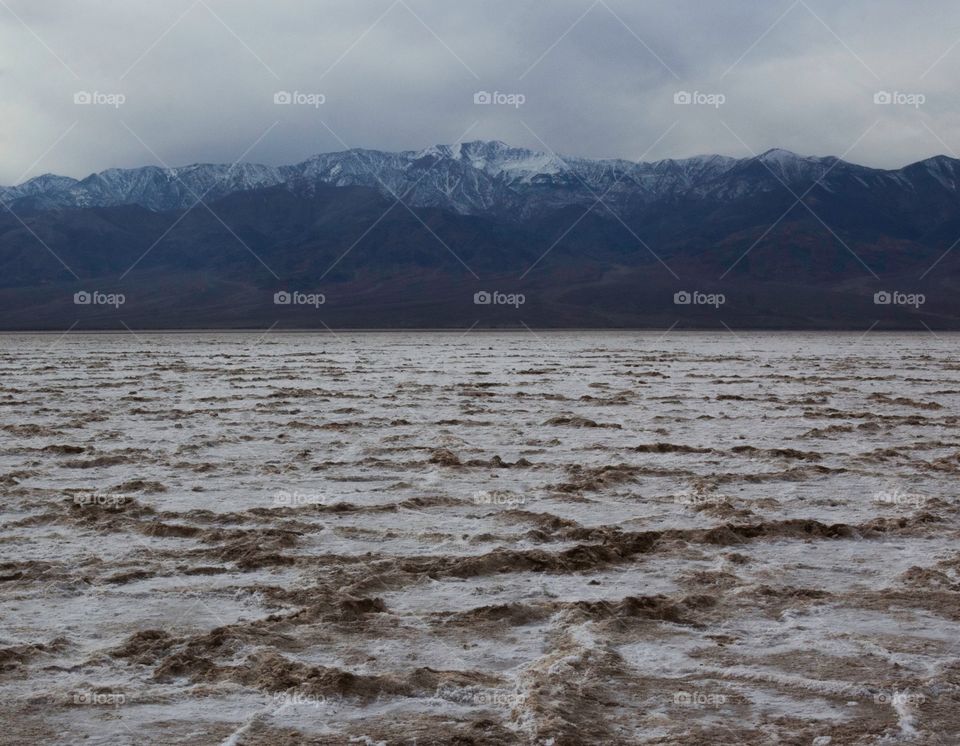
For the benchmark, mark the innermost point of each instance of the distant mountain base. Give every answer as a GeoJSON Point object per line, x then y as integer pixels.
{"type": "Point", "coordinates": [618, 299]}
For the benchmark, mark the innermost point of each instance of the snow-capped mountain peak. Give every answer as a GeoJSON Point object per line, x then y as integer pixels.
{"type": "Point", "coordinates": [779, 155]}
{"type": "Point", "coordinates": [477, 177]}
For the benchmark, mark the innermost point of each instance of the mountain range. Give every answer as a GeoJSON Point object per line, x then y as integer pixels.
{"type": "Point", "coordinates": [408, 239]}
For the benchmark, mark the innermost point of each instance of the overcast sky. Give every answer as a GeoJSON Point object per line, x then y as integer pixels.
{"type": "Point", "coordinates": [599, 78]}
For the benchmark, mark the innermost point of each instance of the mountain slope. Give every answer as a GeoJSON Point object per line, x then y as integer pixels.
{"type": "Point", "coordinates": [789, 241]}
{"type": "Point", "coordinates": [469, 178]}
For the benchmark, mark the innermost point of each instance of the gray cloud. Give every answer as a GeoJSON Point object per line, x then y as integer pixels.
{"type": "Point", "coordinates": [599, 78]}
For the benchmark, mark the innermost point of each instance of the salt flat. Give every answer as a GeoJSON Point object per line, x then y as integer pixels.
{"type": "Point", "coordinates": [480, 538]}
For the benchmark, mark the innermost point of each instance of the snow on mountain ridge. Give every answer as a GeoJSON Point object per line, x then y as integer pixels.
{"type": "Point", "coordinates": [470, 178]}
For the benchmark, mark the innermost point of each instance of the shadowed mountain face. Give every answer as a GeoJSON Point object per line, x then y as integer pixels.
{"type": "Point", "coordinates": [777, 241]}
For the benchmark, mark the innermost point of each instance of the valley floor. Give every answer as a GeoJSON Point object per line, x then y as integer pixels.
{"type": "Point", "coordinates": [481, 538]}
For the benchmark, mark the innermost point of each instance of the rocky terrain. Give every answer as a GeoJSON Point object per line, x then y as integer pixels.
{"type": "Point", "coordinates": [480, 539]}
